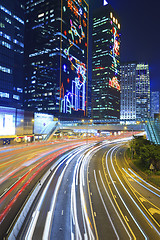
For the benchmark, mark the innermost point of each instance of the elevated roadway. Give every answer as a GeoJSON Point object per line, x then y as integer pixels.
{"type": "Point", "coordinates": [104, 127]}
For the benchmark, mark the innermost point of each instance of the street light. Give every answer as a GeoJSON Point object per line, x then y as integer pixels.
{"type": "Point", "coordinates": [132, 146]}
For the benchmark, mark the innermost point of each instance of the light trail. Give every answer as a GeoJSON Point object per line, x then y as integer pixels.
{"type": "Point", "coordinates": [152, 225]}
{"type": "Point", "coordinates": [158, 190]}
{"type": "Point", "coordinates": [112, 149]}
{"type": "Point", "coordinates": [108, 215]}
{"type": "Point", "coordinates": [140, 183]}
{"type": "Point", "coordinates": [85, 162]}
{"type": "Point", "coordinates": [79, 174]}
{"type": "Point", "coordinates": [50, 215]}
{"type": "Point", "coordinates": [32, 225]}
{"type": "Point", "coordinates": [114, 207]}
{"type": "Point", "coordinates": [39, 166]}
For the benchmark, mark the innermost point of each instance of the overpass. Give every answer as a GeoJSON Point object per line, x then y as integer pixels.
{"type": "Point", "coordinates": [102, 127]}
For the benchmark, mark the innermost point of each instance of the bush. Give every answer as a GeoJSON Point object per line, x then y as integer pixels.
{"type": "Point", "coordinates": [157, 173]}
{"type": "Point", "coordinates": [145, 153]}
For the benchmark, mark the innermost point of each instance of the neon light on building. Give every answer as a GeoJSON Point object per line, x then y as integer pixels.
{"type": "Point", "coordinates": [115, 51]}
{"type": "Point", "coordinates": [114, 83]}
{"type": "Point", "coordinates": [73, 83]}
{"type": "Point", "coordinates": [106, 64]}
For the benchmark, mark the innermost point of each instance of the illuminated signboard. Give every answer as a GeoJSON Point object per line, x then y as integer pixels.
{"type": "Point", "coordinates": [74, 54]}
{"type": "Point", "coordinates": [7, 121]}
{"type": "Point", "coordinates": [42, 122]}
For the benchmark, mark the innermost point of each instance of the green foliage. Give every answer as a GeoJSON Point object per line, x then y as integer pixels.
{"type": "Point", "coordinates": [145, 153]}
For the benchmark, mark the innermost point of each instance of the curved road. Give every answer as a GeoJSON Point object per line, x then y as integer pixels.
{"type": "Point", "coordinates": [92, 193]}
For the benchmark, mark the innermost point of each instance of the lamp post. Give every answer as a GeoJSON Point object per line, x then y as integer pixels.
{"type": "Point", "coordinates": [125, 128]}
{"type": "Point", "coordinates": [132, 146]}
{"type": "Point", "coordinates": [22, 121]}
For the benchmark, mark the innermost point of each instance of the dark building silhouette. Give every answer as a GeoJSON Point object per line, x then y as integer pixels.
{"type": "Point", "coordinates": [56, 57]}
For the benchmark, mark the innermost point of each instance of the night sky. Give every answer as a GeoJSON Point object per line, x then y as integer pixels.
{"type": "Point", "coordinates": [140, 33]}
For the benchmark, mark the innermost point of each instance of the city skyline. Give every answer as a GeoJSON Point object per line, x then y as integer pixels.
{"type": "Point", "coordinates": [68, 99]}
{"type": "Point", "coordinates": [139, 24]}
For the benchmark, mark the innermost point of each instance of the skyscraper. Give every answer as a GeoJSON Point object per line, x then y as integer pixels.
{"type": "Point", "coordinates": [155, 103]}
{"type": "Point", "coordinates": [128, 91]}
{"type": "Point", "coordinates": [56, 57]}
{"type": "Point", "coordinates": [106, 64]}
{"type": "Point", "coordinates": [135, 91]}
{"type": "Point", "coordinates": [142, 91]}
{"type": "Point", "coordinates": [11, 53]}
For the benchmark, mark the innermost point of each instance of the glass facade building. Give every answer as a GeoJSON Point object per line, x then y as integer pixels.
{"type": "Point", "coordinates": [56, 57]}
{"type": "Point", "coordinates": [106, 64]}
{"type": "Point", "coordinates": [155, 103]}
{"type": "Point", "coordinates": [128, 91]}
{"type": "Point", "coordinates": [135, 91]}
{"type": "Point", "coordinates": [11, 53]}
{"type": "Point", "coordinates": [142, 91]}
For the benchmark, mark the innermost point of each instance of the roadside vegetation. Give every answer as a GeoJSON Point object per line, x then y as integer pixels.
{"type": "Point", "coordinates": [145, 155]}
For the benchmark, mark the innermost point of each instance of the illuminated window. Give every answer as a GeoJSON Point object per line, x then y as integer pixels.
{"type": "Point", "coordinates": [40, 15]}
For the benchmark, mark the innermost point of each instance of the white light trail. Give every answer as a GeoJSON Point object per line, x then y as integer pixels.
{"type": "Point", "coordinates": [140, 183]}
{"type": "Point", "coordinates": [114, 229]}
{"type": "Point", "coordinates": [114, 148]}
{"type": "Point", "coordinates": [34, 220]}
{"type": "Point", "coordinates": [144, 180]}
{"type": "Point", "coordinates": [119, 192]}
{"type": "Point", "coordinates": [114, 207]}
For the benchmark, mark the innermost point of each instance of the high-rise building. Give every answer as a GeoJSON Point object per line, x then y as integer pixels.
{"type": "Point", "coordinates": [56, 57]}
{"type": "Point", "coordinates": [142, 91]}
{"type": "Point", "coordinates": [106, 64]}
{"type": "Point", "coordinates": [155, 103]}
{"type": "Point", "coordinates": [11, 53]}
{"type": "Point", "coordinates": [128, 91]}
{"type": "Point", "coordinates": [135, 91]}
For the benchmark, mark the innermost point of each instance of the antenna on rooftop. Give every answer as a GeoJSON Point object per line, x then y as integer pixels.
{"type": "Point", "coordinates": [105, 2]}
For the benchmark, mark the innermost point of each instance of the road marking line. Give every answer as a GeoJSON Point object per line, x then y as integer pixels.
{"type": "Point", "coordinates": [114, 229]}
{"type": "Point", "coordinates": [32, 225]}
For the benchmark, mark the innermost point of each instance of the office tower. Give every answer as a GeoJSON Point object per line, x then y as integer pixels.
{"type": "Point", "coordinates": [56, 57]}
{"type": "Point", "coordinates": [135, 91]}
{"type": "Point", "coordinates": [155, 103]}
{"type": "Point", "coordinates": [106, 64]}
{"type": "Point", "coordinates": [142, 91]}
{"type": "Point", "coordinates": [128, 91]}
{"type": "Point", "coordinates": [11, 53]}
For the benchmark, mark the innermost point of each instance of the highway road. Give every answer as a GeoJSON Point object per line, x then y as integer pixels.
{"type": "Point", "coordinates": [21, 167]}
{"type": "Point", "coordinates": [127, 207]}
{"type": "Point", "coordinates": [92, 193]}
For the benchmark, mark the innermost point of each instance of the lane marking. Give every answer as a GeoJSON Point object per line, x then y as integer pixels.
{"type": "Point", "coordinates": [114, 229]}
{"type": "Point", "coordinates": [132, 200]}
{"type": "Point", "coordinates": [141, 183]}
{"type": "Point", "coordinates": [124, 217]}
{"type": "Point", "coordinates": [154, 211]}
